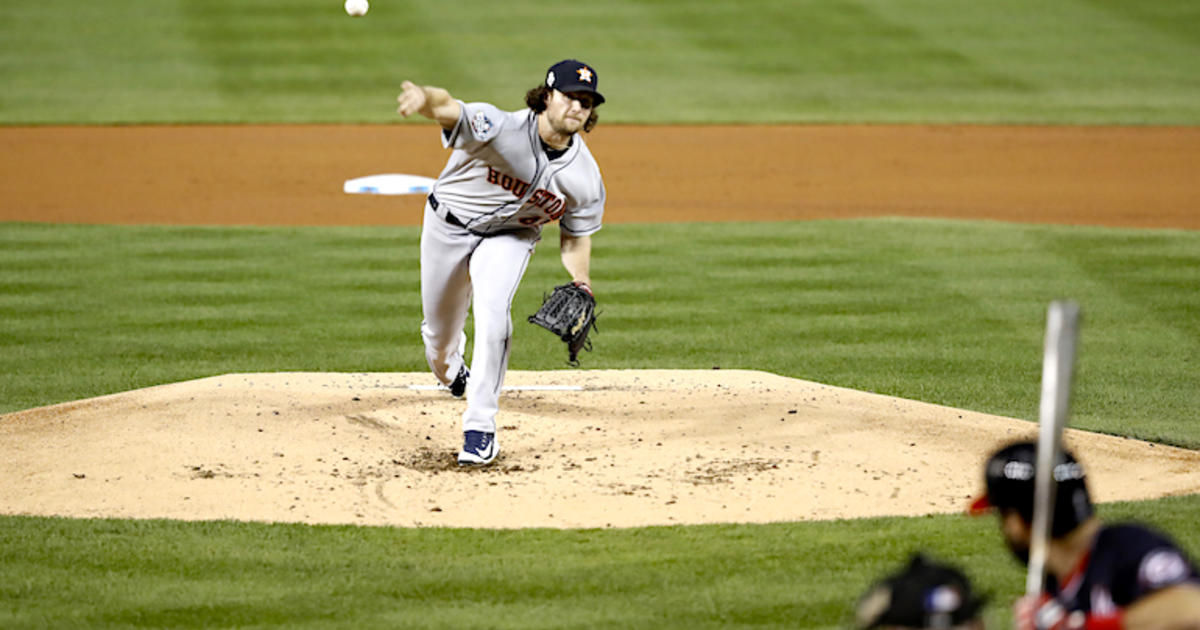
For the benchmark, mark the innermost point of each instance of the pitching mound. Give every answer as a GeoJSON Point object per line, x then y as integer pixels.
{"type": "Point", "coordinates": [578, 449]}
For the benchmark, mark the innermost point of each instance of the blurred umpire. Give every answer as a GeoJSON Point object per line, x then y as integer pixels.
{"type": "Point", "coordinates": [925, 594]}
{"type": "Point", "coordinates": [1099, 577]}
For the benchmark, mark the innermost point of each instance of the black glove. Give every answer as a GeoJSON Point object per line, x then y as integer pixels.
{"type": "Point", "coordinates": [570, 313]}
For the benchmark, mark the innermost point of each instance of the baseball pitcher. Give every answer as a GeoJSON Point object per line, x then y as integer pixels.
{"type": "Point", "coordinates": [509, 174]}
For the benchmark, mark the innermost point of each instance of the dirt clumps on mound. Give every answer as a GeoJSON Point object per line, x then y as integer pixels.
{"type": "Point", "coordinates": [578, 449]}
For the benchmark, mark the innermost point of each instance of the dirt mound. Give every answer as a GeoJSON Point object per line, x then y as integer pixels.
{"type": "Point", "coordinates": [579, 449]}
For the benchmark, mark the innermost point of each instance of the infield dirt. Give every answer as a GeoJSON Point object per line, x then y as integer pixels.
{"type": "Point", "coordinates": [631, 447]}
{"type": "Point", "coordinates": [289, 175]}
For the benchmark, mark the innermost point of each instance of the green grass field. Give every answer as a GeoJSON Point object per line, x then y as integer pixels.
{"type": "Point", "coordinates": [939, 311]}
{"type": "Point", "coordinates": [942, 311]}
{"type": "Point", "coordinates": [160, 574]}
{"type": "Point", "coordinates": [660, 61]}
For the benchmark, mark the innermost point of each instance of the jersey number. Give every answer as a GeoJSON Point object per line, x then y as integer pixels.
{"type": "Point", "coordinates": [552, 206]}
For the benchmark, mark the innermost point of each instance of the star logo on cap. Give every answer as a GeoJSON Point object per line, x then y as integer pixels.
{"type": "Point", "coordinates": [585, 74]}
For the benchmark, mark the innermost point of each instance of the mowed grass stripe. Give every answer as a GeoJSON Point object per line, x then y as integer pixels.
{"type": "Point", "coordinates": [941, 311]}
{"type": "Point", "coordinates": [767, 61]}
{"type": "Point", "coordinates": [112, 574]}
{"type": "Point", "coordinates": [153, 305]}
{"type": "Point", "coordinates": [1147, 334]}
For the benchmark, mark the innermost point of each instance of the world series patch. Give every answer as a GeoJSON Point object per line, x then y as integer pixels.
{"type": "Point", "coordinates": [481, 124]}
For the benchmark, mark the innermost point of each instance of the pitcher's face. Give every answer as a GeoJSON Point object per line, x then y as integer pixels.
{"type": "Point", "coordinates": [568, 112]}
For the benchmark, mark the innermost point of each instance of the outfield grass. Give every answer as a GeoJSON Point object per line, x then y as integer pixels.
{"type": "Point", "coordinates": [940, 311]}
{"type": "Point", "coordinates": [60, 573]}
{"type": "Point", "coordinates": [667, 61]}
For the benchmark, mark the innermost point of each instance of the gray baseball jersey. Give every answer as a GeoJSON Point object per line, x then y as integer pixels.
{"type": "Point", "coordinates": [499, 178]}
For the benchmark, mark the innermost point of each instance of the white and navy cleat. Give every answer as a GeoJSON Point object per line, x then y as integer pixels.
{"type": "Point", "coordinates": [479, 449]}
{"type": "Point", "coordinates": [459, 386]}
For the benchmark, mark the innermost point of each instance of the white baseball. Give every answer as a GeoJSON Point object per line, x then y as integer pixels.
{"type": "Point", "coordinates": [357, 8]}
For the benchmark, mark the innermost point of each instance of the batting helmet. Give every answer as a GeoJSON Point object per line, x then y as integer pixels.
{"type": "Point", "coordinates": [1010, 473]}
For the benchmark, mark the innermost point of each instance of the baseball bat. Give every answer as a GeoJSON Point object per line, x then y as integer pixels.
{"type": "Point", "coordinates": [1058, 362]}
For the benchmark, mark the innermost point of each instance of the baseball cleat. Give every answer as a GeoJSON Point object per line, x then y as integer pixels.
{"type": "Point", "coordinates": [459, 386]}
{"type": "Point", "coordinates": [479, 448]}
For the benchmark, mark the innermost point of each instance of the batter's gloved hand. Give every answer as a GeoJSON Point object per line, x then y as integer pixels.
{"type": "Point", "coordinates": [1042, 612]}
{"type": "Point", "coordinates": [570, 313]}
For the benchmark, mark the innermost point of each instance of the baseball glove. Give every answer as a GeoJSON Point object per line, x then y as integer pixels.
{"type": "Point", "coordinates": [570, 313]}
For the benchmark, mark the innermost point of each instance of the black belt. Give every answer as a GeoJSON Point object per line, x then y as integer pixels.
{"type": "Point", "coordinates": [450, 218]}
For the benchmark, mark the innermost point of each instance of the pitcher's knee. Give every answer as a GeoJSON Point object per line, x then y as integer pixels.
{"type": "Point", "coordinates": [439, 339]}
{"type": "Point", "coordinates": [499, 339]}
{"type": "Point", "coordinates": [497, 333]}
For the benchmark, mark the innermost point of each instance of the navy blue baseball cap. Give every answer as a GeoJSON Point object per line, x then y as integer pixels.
{"type": "Point", "coordinates": [570, 75]}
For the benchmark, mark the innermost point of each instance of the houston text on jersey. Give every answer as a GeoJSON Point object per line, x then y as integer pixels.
{"type": "Point", "coordinates": [551, 204]}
